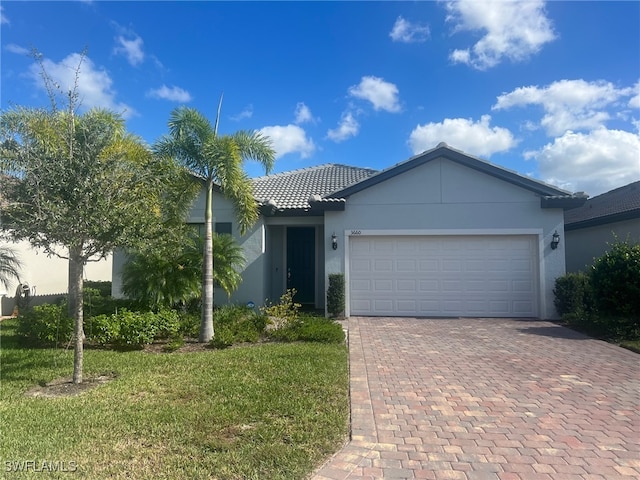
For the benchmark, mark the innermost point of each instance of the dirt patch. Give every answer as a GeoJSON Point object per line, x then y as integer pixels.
{"type": "Point", "coordinates": [64, 387]}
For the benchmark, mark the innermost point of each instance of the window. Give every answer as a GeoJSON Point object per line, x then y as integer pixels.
{"type": "Point", "coordinates": [220, 228]}
{"type": "Point", "coordinates": [223, 227]}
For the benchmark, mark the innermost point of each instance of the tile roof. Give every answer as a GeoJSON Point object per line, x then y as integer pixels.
{"type": "Point", "coordinates": [618, 204]}
{"type": "Point", "coordinates": [292, 190]}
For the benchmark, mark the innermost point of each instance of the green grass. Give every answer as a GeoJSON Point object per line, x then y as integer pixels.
{"type": "Point", "coordinates": [633, 345]}
{"type": "Point", "coordinates": [273, 411]}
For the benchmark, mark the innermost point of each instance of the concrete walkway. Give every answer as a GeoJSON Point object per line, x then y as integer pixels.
{"type": "Point", "coordinates": [488, 399]}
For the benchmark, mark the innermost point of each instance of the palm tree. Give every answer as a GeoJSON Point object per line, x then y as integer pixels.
{"type": "Point", "coordinates": [216, 159]}
{"type": "Point", "coordinates": [9, 266]}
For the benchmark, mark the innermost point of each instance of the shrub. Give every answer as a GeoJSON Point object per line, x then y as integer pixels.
{"type": "Point", "coordinates": [286, 309]}
{"type": "Point", "coordinates": [136, 329]}
{"type": "Point", "coordinates": [234, 324]}
{"type": "Point", "coordinates": [572, 294]}
{"type": "Point", "coordinates": [45, 325]}
{"type": "Point", "coordinates": [615, 278]}
{"type": "Point", "coordinates": [103, 288]}
{"type": "Point", "coordinates": [167, 323]}
{"type": "Point", "coordinates": [335, 294]}
{"type": "Point", "coordinates": [309, 328]}
{"type": "Point", "coordinates": [189, 324]}
{"type": "Point", "coordinates": [102, 329]}
{"type": "Point", "coordinates": [132, 329]}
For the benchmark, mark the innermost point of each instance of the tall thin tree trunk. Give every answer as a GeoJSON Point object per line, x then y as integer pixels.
{"type": "Point", "coordinates": [76, 308]}
{"type": "Point", "coordinates": [206, 327]}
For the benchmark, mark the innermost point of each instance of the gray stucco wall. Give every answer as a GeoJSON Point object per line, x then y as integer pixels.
{"type": "Point", "coordinates": [253, 243]}
{"type": "Point", "coordinates": [585, 244]}
{"type": "Point", "coordinates": [443, 197]}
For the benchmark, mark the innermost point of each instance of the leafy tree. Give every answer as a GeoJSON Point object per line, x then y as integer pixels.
{"type": "Point", "coordinates": [157, 279]}
{"type": "Point", "coordinates": [217, 160]}
{"type": "Point", "coordinates": [9, 266]}
{"type": "Point", "coordinates": [78, 186]}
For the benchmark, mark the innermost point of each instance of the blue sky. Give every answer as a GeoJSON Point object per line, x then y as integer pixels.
{"type": "Point", "coordinates": [548, 89]}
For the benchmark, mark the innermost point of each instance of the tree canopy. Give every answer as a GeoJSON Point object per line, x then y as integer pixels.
{"type": "Point", "coordinates": [79, 186]}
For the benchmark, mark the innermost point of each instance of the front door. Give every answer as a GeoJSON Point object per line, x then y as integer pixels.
{"type": "Point", "coordinates": [301, 264]}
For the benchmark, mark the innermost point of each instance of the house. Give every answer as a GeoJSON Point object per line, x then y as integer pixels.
{"type": "Point", "coordinates": [592, 227]}
{"type": "Point", "coordinates": [47, 278]}
{"type": "Point", "coordinates": [442, 234]}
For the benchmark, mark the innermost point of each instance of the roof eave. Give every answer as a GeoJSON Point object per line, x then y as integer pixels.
{"type": "Point", "coordinates": [604, 220]}
{"type": "Point", "coordinates": [566, 202]}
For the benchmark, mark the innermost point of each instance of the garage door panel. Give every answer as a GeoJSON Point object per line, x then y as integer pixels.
{"type": "Point", "coordinates": [406, 286]}
{"type": "Point", "coordinates": [360, 265]}
{"type": "Point", "coordinates": [361, 285]}
{"type": "Point", "coordinates": [383, 286]}
{"type": "Point", "coordinates": [443, 276]}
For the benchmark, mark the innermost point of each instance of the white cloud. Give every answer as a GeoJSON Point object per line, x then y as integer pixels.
{"type": "Point", "coordinates": [3, 17]}
{"type": "Point", "coordinates": [303, 113]}
{"type": "Point", "coordinates": [476, 138]}
{"type": "Point", "coordinates": [131, 48]}
{"type": "Point", "coordinates": [13, 48]}
{"type": "Point", "coordinates": [95, 87]}
{"type": "Point", "coordinates": [382, 95]}
{"type": "Point", "coordinates": [173, 94]}
{"type": "Point", "coordinates": [635, 100]}
{"type": "Point", "coordinates": [593, 162]}
{"type": "Point", "coordinates": [568, 104]}
{"type": "Point", "coordinates": [289, 139]}
{"type": "Point", "coordinates": [348, 127]}
{"type": "Point", "coordinates": [513, 29]}
{"type": "Point", "coordinates": [407, 32]}
{"type": "Point", "coordinates": [247, 112]}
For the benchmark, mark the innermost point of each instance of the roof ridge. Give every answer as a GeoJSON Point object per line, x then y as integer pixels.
{"type": "Point", "coordinates": [630, 186]}
{"type": "Point", "coordinates": [312, 168]}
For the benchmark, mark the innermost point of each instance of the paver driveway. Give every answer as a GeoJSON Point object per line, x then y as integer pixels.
{"type": "Point", "coordinates": [488, 399]}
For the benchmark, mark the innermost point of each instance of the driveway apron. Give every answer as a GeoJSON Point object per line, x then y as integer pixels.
{"type": "Point", "coordinates": [487, 399]}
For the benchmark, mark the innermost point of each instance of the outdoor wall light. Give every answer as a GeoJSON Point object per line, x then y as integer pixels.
{"type": "Point", "coordinates": [334, 241]}
{"type": "Point", "coordinates": [555, 240]}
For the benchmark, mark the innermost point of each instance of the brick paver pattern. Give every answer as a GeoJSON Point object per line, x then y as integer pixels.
{"type": "Point", "coordinates": [491, 399]}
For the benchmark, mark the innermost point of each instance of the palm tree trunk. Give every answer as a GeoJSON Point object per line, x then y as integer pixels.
{"type": "Point", "coordinates": [206, 327]}
{"type": "Point", "coordinates": [76, 307]}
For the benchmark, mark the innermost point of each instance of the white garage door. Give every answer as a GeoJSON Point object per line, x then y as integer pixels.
{"type": "Point", "coordinates": [449, 276]}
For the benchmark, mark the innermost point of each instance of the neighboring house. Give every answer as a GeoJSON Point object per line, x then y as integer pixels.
{"type": "Point", "coordinates": [591, 228]}
{"type": "Point", "coordinates": [442, 234]}
{"type": "Point", "coordinates": [46, 277]}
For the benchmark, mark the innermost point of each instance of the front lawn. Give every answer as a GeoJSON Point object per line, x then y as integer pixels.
{"type": "Point", "coordinates": [271, 411]}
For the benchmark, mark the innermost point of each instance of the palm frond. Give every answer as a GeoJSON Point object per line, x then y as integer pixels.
{"type": "Point", "coordinates": [10, 266]}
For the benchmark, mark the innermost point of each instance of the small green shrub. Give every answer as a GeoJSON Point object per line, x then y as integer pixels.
{"type": "Point", "coordinates": [137, 329]}
{"type": "Point", "coordinates": [45, 325]}
{"type": "Point", "coordinates": [309, 328]}
{"type": "Point", "coordinates": [335, 294]}
{"type": "Point", "coordinates": [102, 329]}
{"type": "Point", "coordinates": [233, 324]}
{"type": "Point", "coordinates": [189, 324]}
{"type": "Point", "coordinates": [286, 309]}
{"type": "Point", "coordinates": [167, 323]}
{"type": "Point", "coordinates": [572, 294]}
